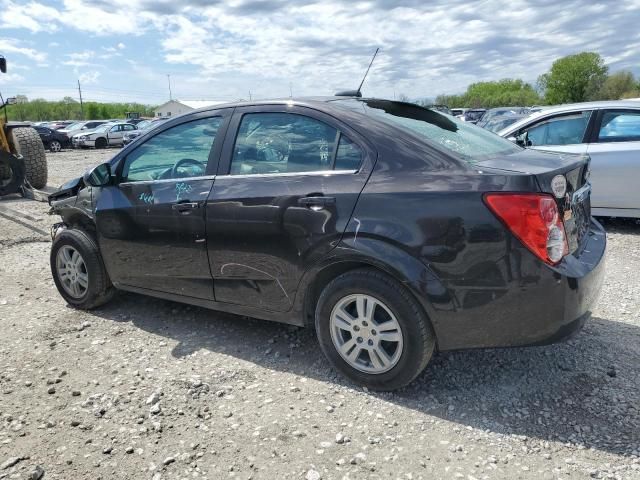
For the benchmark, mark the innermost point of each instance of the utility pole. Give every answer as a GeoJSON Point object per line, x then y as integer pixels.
{"type": "Point", "coordinates": [290, 90]}
{"type": "Point", "coordinates": [250, 95]}
{"type": "Point", "coordinates": [81, 107]}
{"type": "Point", "coordinates": [169, 80]}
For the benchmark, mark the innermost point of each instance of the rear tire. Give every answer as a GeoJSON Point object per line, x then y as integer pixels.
{"type": "Point", "coordinates": [78, 270]}
{"type": "Point", "coordinates": [55, 146]}
{"type": "Point", "coordinates": [26, 142]}
{"type": "Point", "coordinates": [386, 364]}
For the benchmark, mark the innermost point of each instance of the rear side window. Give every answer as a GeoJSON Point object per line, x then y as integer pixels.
{"type": "Point", "coordinates": [564, 130]}
{"type": "Point", "coordinates": [282, 143]}
{"type": "Point", "coordinates": [348, 156]}
{"type": "Point", "coordinates": [620, 127]}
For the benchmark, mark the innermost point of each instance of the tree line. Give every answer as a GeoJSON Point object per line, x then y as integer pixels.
{"type": "Point", "coordinates": [69, 109]}
{"type": "Point", "coordinates": [575, 78]}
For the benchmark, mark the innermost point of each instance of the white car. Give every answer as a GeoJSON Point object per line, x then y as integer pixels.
{"type": "Point", "coordinates": [109, 134]}
{"type": "Point", "coordinates": [609, 132]}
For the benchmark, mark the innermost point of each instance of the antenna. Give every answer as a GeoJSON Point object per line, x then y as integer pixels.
{"type": "Point", "coordinates": [367, 72]}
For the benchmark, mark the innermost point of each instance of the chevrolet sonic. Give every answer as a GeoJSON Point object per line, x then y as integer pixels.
{"type": "Point", "coordinates": [393, 229]}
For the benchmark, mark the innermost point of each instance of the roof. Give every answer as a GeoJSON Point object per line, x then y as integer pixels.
{"type": "Point", "coordinates": [195, 104]}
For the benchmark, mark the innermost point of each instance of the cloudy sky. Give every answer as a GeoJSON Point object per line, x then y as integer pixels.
{"type": "Point", "coordinates": [122, 50]}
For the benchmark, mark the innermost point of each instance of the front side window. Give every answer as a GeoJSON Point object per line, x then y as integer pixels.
{"type": "Point", "coordinates": [564, 130]}
{"type": "Point", "coordinates": [282, 143]}
{"type": "Point", "coordinates": [620, 127]}
{"type": "Point", "coordinates": [178, 152]}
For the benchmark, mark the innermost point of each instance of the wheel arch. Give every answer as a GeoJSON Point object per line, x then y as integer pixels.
{"type": "Point", "coordinates": [77, 219]}
{"type": "Point", "coordinates": [421, 282]}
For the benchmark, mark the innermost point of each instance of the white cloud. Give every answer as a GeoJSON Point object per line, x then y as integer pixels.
{"type": "Point", "coordinates": [9, 45]}
{"type": "Point", "coordinates": [32, 16]}
{"type": "Point", "coordinates": [80, 59]}
{"type": "Point", "coordinates": [10, 78]}
{"type": "Point", "coordinates": [89, 78]}
{"type": "Point", "coordinates": [231, 46]}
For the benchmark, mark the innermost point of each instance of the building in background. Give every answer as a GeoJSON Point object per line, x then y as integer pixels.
{"type": "Point", "coordinates": [178, 107]}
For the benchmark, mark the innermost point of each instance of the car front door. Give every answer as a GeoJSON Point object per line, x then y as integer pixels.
{"type": "Point", "coordinates": [114, 135]}
{"type": "Point", "coordinates": [287, 183]}
{"type": "Point", "coordinates": [564, 132]}
{"type": "Point", "coordinates": [151, 224]}
{"type": "Point", "coordinates": [615, 161]}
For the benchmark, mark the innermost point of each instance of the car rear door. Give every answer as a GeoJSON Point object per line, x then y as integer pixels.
{"type": "Point", "coordinates": [615, 160]}
{"type": "Point", "coordinates": [288, 181]}
{"type": "Point", "coordinates": [151, 223]}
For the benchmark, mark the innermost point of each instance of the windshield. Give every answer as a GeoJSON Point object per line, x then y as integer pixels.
{"type": "Point", "coordinates": [74, 126]}
{"type": "Point", "coordinates": [103, 127]}
{"type": "Point", "coordinates": [467, 142]}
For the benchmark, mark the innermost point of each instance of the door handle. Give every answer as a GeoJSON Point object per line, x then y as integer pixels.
{"type": "Point", "coordinates": [185, 206]}
{"type": "Point", "coordinates": [316, 203]}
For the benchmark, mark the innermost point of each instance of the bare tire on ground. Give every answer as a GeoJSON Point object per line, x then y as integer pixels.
{"type": "Point", "coordinates": [78, 270]}
{"type": "Point", "coordinates": [27, 143]}
{"type": "Point", "coordinates": [373, 330]}
{"type": "Point", "coordinates": [11, 174]}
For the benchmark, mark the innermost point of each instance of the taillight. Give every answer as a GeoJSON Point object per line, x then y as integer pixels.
{"type": "Point", "coordinates": [534, 219]}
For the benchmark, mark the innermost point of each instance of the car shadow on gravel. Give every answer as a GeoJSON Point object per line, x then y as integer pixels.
{"type": "Point", "coordinates": [584, 391]}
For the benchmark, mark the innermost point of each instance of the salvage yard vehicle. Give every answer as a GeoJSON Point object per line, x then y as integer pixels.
{"type": "Point", "coordinates": [106, 135]}
{"type": "Point", "coordinates": [393, 229]}
{"type": "Point", "coordinates": [609, 132]}
{"type": "Point", "coordinates": [22, 154]}
{"type": "Point", "coordinates": [52, 140]}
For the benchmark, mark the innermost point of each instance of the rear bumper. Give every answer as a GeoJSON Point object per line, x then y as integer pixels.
{"type": "Point", "coordinates": [539, 305]}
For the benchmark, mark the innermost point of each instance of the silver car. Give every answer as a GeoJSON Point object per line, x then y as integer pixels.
{"type": "Point", "coordinates": [109, 134]}
{"type": "Point", "coordinates": [608, 131]}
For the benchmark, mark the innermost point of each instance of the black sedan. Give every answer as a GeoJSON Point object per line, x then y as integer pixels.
{"type": "Point", "coordinates": [52, 139]}
{"type": "Point", "coordinates": [394, 229]}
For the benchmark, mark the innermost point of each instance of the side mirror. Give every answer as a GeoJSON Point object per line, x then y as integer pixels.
{"type": "Point", "coordinates": [98, 176]}
{"type": "Point", "coordinates": [512, 139]}
{"type": "Point", "coordinates": [3, 65]}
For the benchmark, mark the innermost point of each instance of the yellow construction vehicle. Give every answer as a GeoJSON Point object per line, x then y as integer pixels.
{"type": "Point", "coordinates": [23, 162]}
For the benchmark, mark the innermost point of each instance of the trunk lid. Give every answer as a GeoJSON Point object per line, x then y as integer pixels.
{"type": "Point", "coordinates": [575, 206]}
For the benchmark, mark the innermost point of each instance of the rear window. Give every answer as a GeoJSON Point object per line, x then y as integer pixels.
{"type": "Point", "coordinates": [467, 142]}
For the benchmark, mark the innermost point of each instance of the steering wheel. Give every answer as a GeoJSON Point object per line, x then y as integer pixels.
{"type": "Point", "coordinates": [183, 162]}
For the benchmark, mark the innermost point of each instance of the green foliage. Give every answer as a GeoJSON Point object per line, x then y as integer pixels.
{"type": "Point", "coordinates": [618, 85]}
{"type": "Point", "coordinates": [69, 109]}
{"type": "Point", "coordinates": [574, 78]}
{"type": "Point", "coordinates": [503, 93]}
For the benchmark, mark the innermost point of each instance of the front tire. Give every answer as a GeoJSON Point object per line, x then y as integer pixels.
{"type": "Point", "coordinates": [78, 270]}
{"type": "Point", "coordinates": [373, 330]}
{"type": "Point", "coordinates": [101, 143]}
{"type": "Point", "coordinates": [27, 142]}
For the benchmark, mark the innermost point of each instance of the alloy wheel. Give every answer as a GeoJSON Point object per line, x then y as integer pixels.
{"type": "Point", "coordinates": [72, 271]}
{"type": "Point", "coordinates": [55, 146]}
{"type": "Point", "coordinates": [366, 333]}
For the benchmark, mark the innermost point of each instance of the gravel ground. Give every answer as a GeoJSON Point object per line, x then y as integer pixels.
{"type": "Point", "coordinates": [148, 389]}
